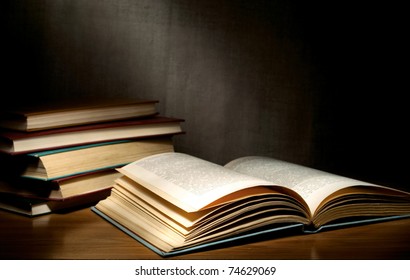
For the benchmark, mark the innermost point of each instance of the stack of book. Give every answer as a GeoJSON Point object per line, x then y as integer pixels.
{"type": "Point", "coordinates": [65, 155]}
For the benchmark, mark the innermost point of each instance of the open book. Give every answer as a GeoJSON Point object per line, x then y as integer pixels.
{"type": "Point", "coordinates": [175, 203]}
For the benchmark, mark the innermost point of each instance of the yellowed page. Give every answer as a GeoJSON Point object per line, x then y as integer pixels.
{"type": "Point", "coordinates": [188, 182]}
{"type": "Point", "coordinates": [311, 184]}
{"type": "Point", "coordinates": [161, 206]}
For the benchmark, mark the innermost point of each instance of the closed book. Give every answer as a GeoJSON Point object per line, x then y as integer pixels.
{"type": "Point", "coordinates": [18, 142]}
{"type": "Point", "coordinates": [58, 189]}
{"type": "Point", "coordinates": [34, 207]}
{"type": "Point", "coordinates": [55, 164]}
{"type": "Point", "coordinates": [47, 116]}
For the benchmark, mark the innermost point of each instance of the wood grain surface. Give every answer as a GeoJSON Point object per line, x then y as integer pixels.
{"type": "Point", "coordinates": [81, 234]}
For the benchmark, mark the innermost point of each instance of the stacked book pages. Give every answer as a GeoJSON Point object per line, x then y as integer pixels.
{"type": "Point", "coordinates": [175, 203]}
{"type": "Point", "coordinates": [62, 156]}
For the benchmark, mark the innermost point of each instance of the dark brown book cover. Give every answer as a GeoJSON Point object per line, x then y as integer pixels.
{"type": "Point", "coordinates": [76, 113]}
{"type": "Point", "coordinates": [46, 108]}
{"type": "Point", "coordinates": [34, 207]}
{"type": "Point", "coordinates": [8, 138]}
{"type": "Point", "coordinates": [39, 189]}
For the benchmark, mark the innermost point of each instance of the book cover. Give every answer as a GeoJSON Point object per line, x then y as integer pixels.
{"type": "Point", "coordinates": [47, 116]}
{"type": "Point", "coordinates": [55, 164]}
{"type": "Point", "coordinates": [18, 142]}
{"type": "Point", "coordinates": [61, 188]}
{"type": "Point", "coordinates": [268, 232]}
{"type": "Point", "coordinates": [34, 207]}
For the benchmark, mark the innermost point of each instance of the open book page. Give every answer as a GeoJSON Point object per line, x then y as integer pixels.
{"type": "Point", "coordinates": [161, 230]}
{"type": "Point", "coordinates": [186, 181]}
{"type": "Point", "coordinates": [311, 184]}
{"type": "Point", "coordinates": [186, 223]}
{"type": "Point", "coordinates": [157, 204]}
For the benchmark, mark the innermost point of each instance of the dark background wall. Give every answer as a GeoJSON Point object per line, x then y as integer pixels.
{"type": "Point", "coordinates": [314, 83]}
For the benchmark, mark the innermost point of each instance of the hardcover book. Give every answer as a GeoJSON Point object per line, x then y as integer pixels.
{"type": "Point", "coordinates": [62, 188]}
{"type": "Point", "coordinates": [47, 116]}
{"type": "Point", "coordinates": [175, 203]}
{"type": "Point", "coordinates": [55, 164]}
{"type": "Point", "coordinates": [37, 206]}
{"type": "Point", "coordinates": [18, 142]}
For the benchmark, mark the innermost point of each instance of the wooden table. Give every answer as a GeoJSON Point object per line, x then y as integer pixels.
{"type": "Point", "coordinates": [81, 234]}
